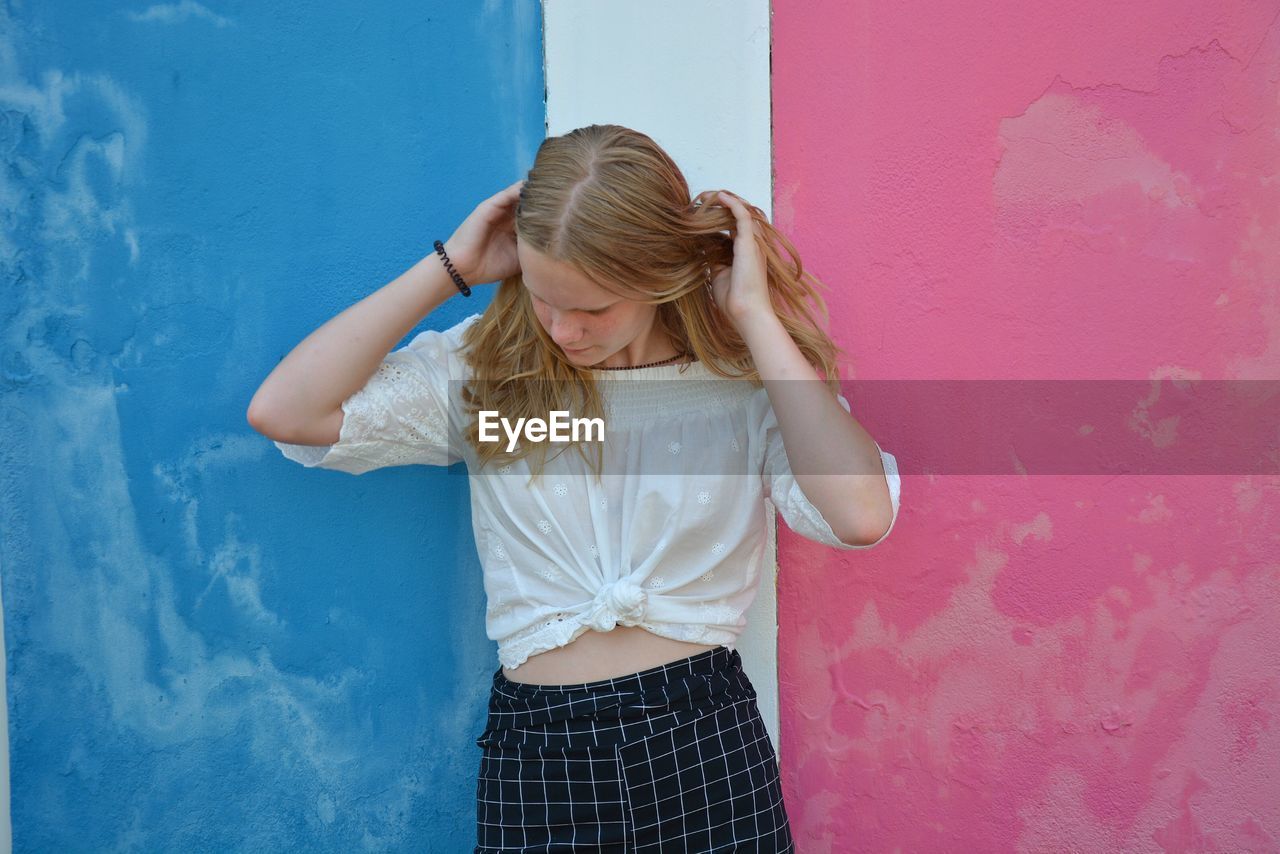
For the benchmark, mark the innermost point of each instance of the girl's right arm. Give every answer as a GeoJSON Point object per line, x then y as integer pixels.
{"type": "Point", "coordinates": [301, 400]}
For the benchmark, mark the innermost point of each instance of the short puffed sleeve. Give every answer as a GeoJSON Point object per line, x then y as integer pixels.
{"type": "Point", "coordinates": [796, 510]}
{"type": "Point", "coordinates": [401, 416]}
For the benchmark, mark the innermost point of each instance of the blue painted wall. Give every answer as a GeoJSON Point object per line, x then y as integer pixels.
{"type": "Point", "coordinates": [211, 648]}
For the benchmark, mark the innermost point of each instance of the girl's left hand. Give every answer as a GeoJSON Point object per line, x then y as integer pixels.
{"type": "Point", "coordinates": [742, 291]}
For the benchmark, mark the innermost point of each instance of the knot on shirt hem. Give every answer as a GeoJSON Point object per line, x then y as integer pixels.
{"type": "Point", "coordinates": [621, 602]}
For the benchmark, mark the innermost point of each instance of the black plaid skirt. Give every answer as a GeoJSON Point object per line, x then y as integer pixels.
{"type": "Point", "coordinates": [674, 758]}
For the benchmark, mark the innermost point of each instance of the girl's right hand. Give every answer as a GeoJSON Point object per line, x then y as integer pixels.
{"type": "Point", "coordinates": [483, 248]}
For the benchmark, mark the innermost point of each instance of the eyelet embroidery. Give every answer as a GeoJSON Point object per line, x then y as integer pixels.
{"type": "Point", "coordinates": [388, 415]}
{"type": "Point", "coordinates": [718, 612]}
{"type": "Point", "coordinates": [550, 572]}
{"type": "Point", "coordinates": [496, 612]}
{"type": "Point", "coordinates": [656, 583]}
{"type": "Point", "coordinates": [560, 489]}
{"type": "Point", "coordinates": [594, 549]}
{"type": "Point", "coordinates": [708, 575]}
{"type": "Point", "coordinates": [704, 497]}
{"type": "Point", "coordinates": [718, 548]}
{"type": "Point", "coordinates": [674, 448]}
{"type": "Point", "coordinates": [544, 526]}
{"type": "Point", "coordinates": [733, 443]}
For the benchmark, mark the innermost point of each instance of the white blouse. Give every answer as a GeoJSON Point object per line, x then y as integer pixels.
{"type": "Point", "coordinates": [671, 539]}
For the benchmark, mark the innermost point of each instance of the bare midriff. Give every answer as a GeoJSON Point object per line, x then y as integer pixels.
{"type": "Point", "coordinates": [593, 656]}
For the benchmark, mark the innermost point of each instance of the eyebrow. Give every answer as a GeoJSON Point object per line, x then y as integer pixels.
{"type": "Point", "coordinates": [599, 308]}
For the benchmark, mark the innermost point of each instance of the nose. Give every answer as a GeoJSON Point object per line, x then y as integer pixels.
{"type": "Point", "coordinates": [565, 333]}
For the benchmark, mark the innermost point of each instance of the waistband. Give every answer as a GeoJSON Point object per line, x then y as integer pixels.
{"type": "Point", "coordinates": [613, 711]}
{"type": "Point", "coordinates": [708, 662]}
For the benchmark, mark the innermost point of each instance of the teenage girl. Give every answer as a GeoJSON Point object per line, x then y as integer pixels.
{"type": "Point", "coordinates": [618, 568]}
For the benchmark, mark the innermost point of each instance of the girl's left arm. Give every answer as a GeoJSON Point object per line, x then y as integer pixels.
{"type": "Point", "coordinates": [819, 436]}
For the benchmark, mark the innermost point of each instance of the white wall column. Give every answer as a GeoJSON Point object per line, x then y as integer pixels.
{"type": "Point", "coordinates": [695, 78]}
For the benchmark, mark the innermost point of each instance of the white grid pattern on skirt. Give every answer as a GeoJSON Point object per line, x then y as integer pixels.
{"type": "Point", "coordinates": [674, 758]}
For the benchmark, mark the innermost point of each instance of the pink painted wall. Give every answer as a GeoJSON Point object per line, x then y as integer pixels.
{"type": "Point", "coordinates": [1022, 191]}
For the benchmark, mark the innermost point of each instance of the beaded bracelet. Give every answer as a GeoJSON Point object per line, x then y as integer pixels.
{"type": "Point", "coordinates": [448, 265]}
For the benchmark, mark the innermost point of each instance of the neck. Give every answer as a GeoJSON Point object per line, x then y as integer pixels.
{"type": "Point", "coordinates": [670, 360]}
{"type": "Point", "coordinates": [614, 362]}
{"type": "Point", "coordinates": [644, 349]}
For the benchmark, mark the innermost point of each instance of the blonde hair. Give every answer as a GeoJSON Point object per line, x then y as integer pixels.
{"type": "Point", "coordinates": [610, 202]}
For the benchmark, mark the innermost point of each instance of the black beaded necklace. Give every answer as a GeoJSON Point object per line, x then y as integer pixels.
{"type": "Point", "coordinates": [650, 365]}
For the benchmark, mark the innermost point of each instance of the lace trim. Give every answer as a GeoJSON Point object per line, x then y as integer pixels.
{"type": "Point", "coordinates": [397, 405]}
{"type": "Point", "coordinates": [399, 417]}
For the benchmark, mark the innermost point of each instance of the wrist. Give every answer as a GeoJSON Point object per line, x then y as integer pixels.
{"type": "Point", "coordinates": [459, 276]}
{"type": "Point", "coordinates": [435, 279]}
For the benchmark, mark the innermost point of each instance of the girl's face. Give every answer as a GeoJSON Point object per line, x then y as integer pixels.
{"type": "Point", "coordinates": [588, 323]}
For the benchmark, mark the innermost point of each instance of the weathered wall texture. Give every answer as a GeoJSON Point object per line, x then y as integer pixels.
{"type": "Point", "coordinates": [211, 648]}
{"type": "Point", "coordinates": [1018, 191]}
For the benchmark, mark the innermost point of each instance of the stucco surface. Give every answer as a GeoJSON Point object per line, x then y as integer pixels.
{"type": "Point", "coordinates": [210, 648]}
{"type": "Point", "coordinates": [1012, 191]}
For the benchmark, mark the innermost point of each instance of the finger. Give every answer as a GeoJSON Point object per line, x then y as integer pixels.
{"type": "Point", "coordinates": [735, 204]}
{"type": "Point", "coordinates": [746, 223]}
{"type": "Point", "coordinates": [507, 197]}
{"type": "Point", "coordinates": [713, 198]}
{"type": "Point", "coordinates": [501, 204]}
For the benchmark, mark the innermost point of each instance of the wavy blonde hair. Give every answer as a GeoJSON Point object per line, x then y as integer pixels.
{"type": "Point", "coordinates": [609, 201]}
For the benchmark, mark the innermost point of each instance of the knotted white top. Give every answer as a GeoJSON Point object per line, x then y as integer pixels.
{"type": "Point", "coordinates": [673, 538]}
{"type": "Point", "coordinates": [620, 602]}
